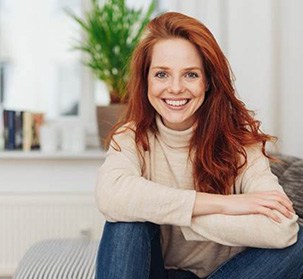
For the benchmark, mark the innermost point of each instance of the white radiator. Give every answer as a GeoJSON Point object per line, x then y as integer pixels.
{"type": "Point", "coordinates": [26, 219]}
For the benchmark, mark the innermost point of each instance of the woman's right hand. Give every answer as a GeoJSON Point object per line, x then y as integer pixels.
{"type": "Point", "coordinates": [243, 204]}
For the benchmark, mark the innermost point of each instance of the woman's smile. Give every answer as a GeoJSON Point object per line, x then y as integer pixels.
{"type": "Point", "coordinates": [176, 103]}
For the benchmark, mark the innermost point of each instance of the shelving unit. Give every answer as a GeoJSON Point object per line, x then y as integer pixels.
{"type": "Point", "coordinates": [46, 195]}
{"type": "Point", "coordinates": [37, 154]}
{"type": "Point", "coordinates": [35, 171]}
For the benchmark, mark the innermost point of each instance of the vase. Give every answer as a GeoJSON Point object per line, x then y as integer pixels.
{"type": "Point", "coordinates": [107, 117]}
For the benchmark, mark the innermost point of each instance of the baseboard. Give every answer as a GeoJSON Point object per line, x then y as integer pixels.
{"type": "Point", "coordinates": [7, 272]}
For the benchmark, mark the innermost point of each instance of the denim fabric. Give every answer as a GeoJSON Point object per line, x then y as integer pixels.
{"type": "Point", "coordinates": [129, 251]}
{"type": "Point", "coordinates": [255, 263]}
{"type": "Point", "coordinates": [133, 251]}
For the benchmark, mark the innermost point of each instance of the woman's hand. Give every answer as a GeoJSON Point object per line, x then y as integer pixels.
{"type": "Point", "coordinates": [258, 203]}
{"type": "Point", "coordinates": [243, 204]}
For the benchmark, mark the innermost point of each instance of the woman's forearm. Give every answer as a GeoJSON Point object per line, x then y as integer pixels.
{"type": "Point", "coordinates": [243, 230]}
{"type": "Point", "coordinates": [263, 203]}
{"type": "Point", "coordinates": [258, 219]}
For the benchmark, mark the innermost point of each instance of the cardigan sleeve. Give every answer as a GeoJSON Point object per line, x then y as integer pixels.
{"type": "Point", "coordinates": [254, 230]}
{"type": "Point", "coordinates": [123, 194]}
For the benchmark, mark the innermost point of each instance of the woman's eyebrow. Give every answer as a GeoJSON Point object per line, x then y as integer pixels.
{"type": "Point", "coordinates": [193, 68]}
{"type": "Point", "coordinates": [160, 67]}
{"type": "Point", "coordinates": [184, 69]}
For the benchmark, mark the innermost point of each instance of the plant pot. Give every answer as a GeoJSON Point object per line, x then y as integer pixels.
{"type": "Point", "coordinates": [107, 116]}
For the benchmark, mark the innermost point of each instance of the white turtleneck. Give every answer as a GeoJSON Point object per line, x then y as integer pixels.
{"type": "Point", "coordinates": [164, 194]}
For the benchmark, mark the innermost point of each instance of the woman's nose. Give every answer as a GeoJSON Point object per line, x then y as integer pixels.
{"type": "Point", "coordinates": [176, 86]}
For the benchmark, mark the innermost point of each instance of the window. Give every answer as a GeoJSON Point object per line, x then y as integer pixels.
{"type": "Point", "coordinates": [39, 69]}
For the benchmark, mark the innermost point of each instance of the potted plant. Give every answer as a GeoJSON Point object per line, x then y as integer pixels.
{"type": "Point", "coordinates": [111, 32]}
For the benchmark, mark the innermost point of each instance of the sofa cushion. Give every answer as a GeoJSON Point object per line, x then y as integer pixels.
{"type": "Point", "coordinates": [59, 259]}
{"type": "Point", "coordinates": [290, 174]}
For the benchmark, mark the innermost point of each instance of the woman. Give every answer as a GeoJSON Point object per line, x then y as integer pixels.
{"type": "Point", "coordinates": [186, 185]}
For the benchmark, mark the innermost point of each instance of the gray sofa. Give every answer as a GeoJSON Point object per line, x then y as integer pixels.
{"type": "Point", "coordinates": [290, 174]}
{"type": "Point", "coordinates": [67, 258]}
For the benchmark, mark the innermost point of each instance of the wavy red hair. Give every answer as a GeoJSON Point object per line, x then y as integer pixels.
{"type": "Point", "coordinates": [224, 126]}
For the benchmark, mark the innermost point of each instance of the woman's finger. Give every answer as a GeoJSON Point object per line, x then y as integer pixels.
{"type": "Point", "coordinates": [284, 200]}
{"type": "Point", "coordinates": [280, 207]}
{"type": "Point", "coordinates": [269, 213]}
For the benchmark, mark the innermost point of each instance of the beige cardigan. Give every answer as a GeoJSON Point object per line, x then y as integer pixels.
{"type": "Point", "coordinates": [164, 194]}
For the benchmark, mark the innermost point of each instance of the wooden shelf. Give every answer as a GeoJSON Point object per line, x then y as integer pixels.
{"type": "Point", "coordinates": [37, 154]}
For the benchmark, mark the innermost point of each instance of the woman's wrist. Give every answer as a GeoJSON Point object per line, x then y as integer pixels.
{"type": "Point", "coordinates": [208, 204]}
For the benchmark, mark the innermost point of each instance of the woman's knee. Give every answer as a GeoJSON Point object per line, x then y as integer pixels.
{"type": "Point", "coordinates": [130, 230]}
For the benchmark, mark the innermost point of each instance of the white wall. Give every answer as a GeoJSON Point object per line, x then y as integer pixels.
{"type": "Point", "coordinates": [263, 41]}
{"type": "Point", "coordinates": [210, 12]}
{"type": "Point", "coordinates": [291, 77]}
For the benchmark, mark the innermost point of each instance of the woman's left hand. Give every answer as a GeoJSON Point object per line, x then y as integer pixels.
{"type": "Point", "coordinates": [258, 203]}
{"type": "Point", "coordinates": [264, 203]}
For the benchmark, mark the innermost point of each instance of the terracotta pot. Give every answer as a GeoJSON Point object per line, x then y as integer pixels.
{"type": "Point", "coordinates": [107, 116]}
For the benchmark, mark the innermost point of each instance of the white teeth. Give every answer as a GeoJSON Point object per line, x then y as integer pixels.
{"type": "Point", "coordinates": [176, 103]}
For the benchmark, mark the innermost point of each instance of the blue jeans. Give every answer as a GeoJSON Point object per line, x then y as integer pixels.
{"type": "Point", "coordinates": [133, 251]}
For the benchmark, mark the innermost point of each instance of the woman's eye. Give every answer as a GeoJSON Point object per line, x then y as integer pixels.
{"type": "Point", "coordinates": [192, 75]}
{"type": "Point", "coordinates": [161, 75]}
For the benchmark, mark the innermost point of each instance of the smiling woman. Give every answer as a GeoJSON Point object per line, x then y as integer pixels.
{"type": "Point", "coordinates": [176, 82]}
{"type": "Point", "coordinates": [186, 183]}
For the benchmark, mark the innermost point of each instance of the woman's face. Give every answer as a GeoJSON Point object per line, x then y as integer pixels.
{"type": "Point", "coordinates": [176, 82]}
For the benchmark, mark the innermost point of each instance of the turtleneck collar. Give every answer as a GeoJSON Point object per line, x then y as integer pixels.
{"type": "Point", "coordinates": [173, 138]}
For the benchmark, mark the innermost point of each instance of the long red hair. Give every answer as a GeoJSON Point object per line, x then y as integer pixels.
{"type": "Point", "coordinates": [224, 126]}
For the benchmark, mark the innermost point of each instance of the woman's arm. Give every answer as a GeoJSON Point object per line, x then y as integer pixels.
{"type": "Point", "coordinates": [262, 202]}
{"type": "Point", "coordinates": [243, 230]}
{"type": "Point", "coordinates": [251, 215]}
{"type": "Point", "coordinates": [124, 195]}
